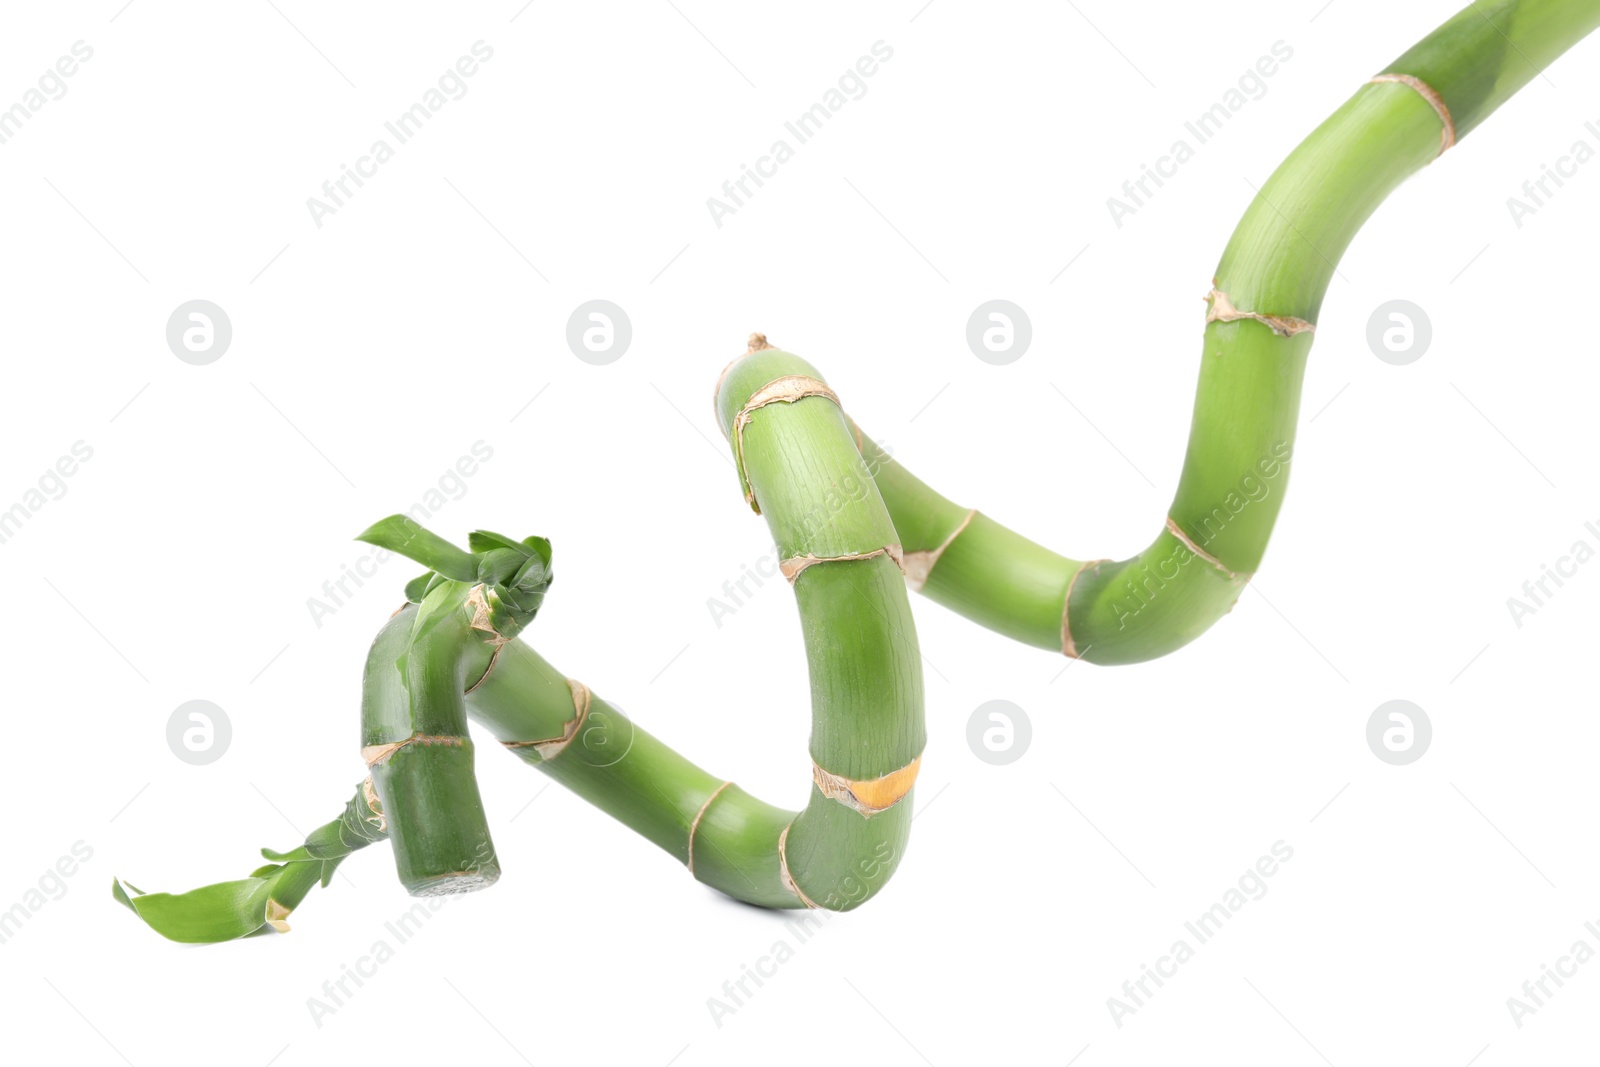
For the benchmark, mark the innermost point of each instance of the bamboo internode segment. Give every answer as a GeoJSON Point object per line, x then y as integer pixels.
{"type": "Point", "coordinates": [694, 826]}
{"type": "Point", "coordinates": [785, 875]}
{"type": "Point", "coordinates": [918, 566]}
{"type": "Point", "coordinates": [784, 390]}
{"type": "Point", "coordinates": [1221, 309]}
{"type": "Point", "coordinates": [1447, 136]}
{"type": "Point", "coordinates": [793, 566]}
{"type": "Point", "coordinates": [551, 747]}
{"type": "Point", "coordinates": [376, 754]}
{"type": "Point", "coordinates": [1189, 543]}
{"type": "Point", "coordinates": [868, 797]}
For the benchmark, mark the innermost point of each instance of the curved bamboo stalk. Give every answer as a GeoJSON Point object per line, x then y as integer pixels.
{"type": "Point", "coordinates": [847, 518]}
{"type": "Point", "coordinates": [1262, 309]}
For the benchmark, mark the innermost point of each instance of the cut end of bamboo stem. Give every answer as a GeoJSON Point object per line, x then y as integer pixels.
{"type": "Point", "coordinates": [455, 883]}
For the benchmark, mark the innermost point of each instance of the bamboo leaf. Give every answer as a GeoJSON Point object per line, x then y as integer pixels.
{"type": "Point", "coordinates": [222, 912]}
{"type": "Point", "coordinates": [402, 534]}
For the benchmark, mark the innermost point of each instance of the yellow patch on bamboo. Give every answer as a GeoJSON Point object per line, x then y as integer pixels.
{"type": "Point", "coordinates": [919, 565]}
{"type": "Point", "coordinates": [785, 390]}
{"type": "Point", "coordinates": [376, 754]}
{"type": "Point", "coordinates": [1222, 310]}
{"type": "Point", "coordinates": [551, 747]}
{"type": "Point", "coordinates": [1447, 136]}
{"type": "Point", "coordinates": [783, 869]}
{"type": "Point", "coordinates": [792, 566]}
{"type": "Point", "coordinates": [275, 915]}
{"type": "Point", "coordinates": [868, 796]}
{"type": "Point", "coordinates": [1069, 646]}
{"type": "Point", "coordinates": [1188, 542]}
{"type": "Point", "coordinates": [695, 825]}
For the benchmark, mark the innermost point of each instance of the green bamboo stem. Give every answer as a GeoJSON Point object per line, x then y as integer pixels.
{"type": "Point", "coordinates": [845, 515]}
{"type": "Point", "coordinates": [1277, 265]}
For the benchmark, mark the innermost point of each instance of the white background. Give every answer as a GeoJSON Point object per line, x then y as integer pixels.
{"type": "Point", "coordinates": [370, 353]}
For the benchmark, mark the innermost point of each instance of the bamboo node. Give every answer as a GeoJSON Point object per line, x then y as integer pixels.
{"type": "Point", "coordinates": [1189, 543]}
{"type": "Point", "coordinates": [484, 677]}
{"type": "Point", "coordinates": [695, 825]}
{"type": "Point", "coordinates": [869, 796]}
{"type": "Point", "coordinates": [919, 564]}
{"type": "Point", "coordinates": [376, 754]}
{"type": "Point", "coordinates": [794, 565]}
{"type": "Point", "coordinates": [783, 869]}
{"type": "Point", "coordinates": [1069, 647]}
{"type": "Point", "coordinates": [1447, 136]}
{"type": "Point", "coordinates": [551, 747]}
{"type": "Point", "coordinates": [1222, 310]}
{"type": "Point", "coordinates": [784, 390]}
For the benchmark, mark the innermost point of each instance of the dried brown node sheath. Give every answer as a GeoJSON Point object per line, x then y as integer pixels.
{"type": "Point", "coordinates": [794, 565]}
{"type": "Point", "coordinates": [1188, 542]}
{"type": "Point", "coordinates": [784, 875]}
{"type": "Point", "coordinates": [1447, 136]}
{"type": "Point", "coordinates": [785, 390]}
{"type": "Point", "coordinates": [869, 796]}
{"type": "Point", "coordinates": [551, 747]}
{"type": "Point", "coordinates": [1069, 647]}
{"type": "Point", "coordinates": [376, 754]}
{"type": "Point", "coordinates": [919, 565]}
{"type": "Point", "coordinates": [695, 825]}
{"type": "Point", "coordinates": [1222, 310]}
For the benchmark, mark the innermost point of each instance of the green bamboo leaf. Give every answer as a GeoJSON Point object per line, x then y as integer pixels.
{"type": "Point", "coordinates": [401, 534]}
{"type": "Point", "coordinates": [418, 587]}
{"type": "Point", "coordinates": [214, 913]}
{"type": "Point", "coordinates": [488, 540]}
{"type": "Point", "coordinates": [541, 546]}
